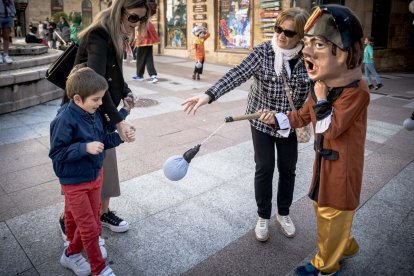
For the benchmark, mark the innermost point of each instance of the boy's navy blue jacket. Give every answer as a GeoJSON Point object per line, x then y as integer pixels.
{"type": "Point", "coordinates": [70, 131]}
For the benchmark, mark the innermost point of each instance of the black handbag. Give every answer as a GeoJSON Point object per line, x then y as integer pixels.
{"type": "Point", "coordinates": [58, 71]}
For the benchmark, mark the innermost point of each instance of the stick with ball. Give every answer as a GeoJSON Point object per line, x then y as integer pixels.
{"type": "Point", "coordinates": [176, 167]}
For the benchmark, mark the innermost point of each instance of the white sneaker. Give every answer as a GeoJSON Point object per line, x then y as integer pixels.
{"type": "Point", "coordinates": [286, 225]}
{"type": "Point", "coordinates": [153, 79]}
{"type": "Point", "coordinates": [262, 229]}
{"type": "Point", "coordinates": [77, 263]}
{"type": "Point", "coordinates": [107, 271]}
{"type": "Point", "coordinates": [101, 246]}
{"type": "Point", "coordinates": [7, 59]}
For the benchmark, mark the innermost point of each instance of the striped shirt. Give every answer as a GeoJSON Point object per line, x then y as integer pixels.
{"type": "Point", "coordinates": [267, 91]}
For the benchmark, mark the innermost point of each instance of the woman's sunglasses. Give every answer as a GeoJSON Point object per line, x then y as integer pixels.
{"type": "Point", "coordinates": [133, 18]}
{"type": "Point", "coordinates": [286, 32]}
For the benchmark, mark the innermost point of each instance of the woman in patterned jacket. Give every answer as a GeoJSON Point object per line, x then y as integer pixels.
{"type": "Point", "coordinates": [267, 64]}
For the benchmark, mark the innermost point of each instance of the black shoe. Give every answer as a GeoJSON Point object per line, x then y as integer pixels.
{"type": "Point", "coordinates": [113, 222]}
{"type": "Point", "coordinates": [62, 227]}
{"type": "Point", "coordinates": [198, 77]}
{"type": "Point", "coordinates": [194, 77]}
{"type": "Point", "coordinates": [378, 86]}
{"type": "Point", "coordinates": [370, 86]}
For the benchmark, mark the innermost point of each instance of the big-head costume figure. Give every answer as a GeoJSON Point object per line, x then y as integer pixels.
{"type": "Point", "coordinates": [337, 108]}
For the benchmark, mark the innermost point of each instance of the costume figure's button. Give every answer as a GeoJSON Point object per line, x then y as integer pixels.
{"type": "Point", "coordinates": [273, 79]}
{"type": "Point", "coordinates": [110, 79]}
{"type": "Point", "coordinates": [113, 65]}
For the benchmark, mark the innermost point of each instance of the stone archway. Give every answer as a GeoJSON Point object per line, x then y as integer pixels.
{"type": "Point", "coordinates": [86, 12]}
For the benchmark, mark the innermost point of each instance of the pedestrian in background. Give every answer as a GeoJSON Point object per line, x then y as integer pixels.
{"type": "Point", "coordinates": [369, 68]}
{"type": "Point", "coordinates": [51, 37]}
{"type": "Point", "coordinates": [201, 35]}
{"type": "Point", "coordinates": [7, 13]}
{"type": "Point", "coordinates": [76, 26]}
{"type": "Point", "coordinates": [145, 38]}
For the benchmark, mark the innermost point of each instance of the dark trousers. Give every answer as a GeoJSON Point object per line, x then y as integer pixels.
{"type": "Point", "coordinates": [199, 70]}
{"type": "Point", "coordinates": [264, 157]}
{"type": "Point", "coordinates": [145, 58]}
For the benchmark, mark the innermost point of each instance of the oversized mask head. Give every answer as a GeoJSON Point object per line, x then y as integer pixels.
{"type": "Point", "coordinates": [333, 42]}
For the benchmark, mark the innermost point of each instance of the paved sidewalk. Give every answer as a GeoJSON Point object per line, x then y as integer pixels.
{"type": "Point", "coordinates": [203, 224]}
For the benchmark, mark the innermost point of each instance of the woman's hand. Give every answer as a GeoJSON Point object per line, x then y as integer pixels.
{"type": "Point", "coordinates": [192, 104]}
{"type": "Point", "coordinates": [130, 101]}
{"type": "Point", "coordinates": [267, 117]}
{"type": "Point", "coordinates": [94, 147]}
{"type": "Point", "coordinates": [126, 131]}
{"type": "Point", "coordinates": [321, 90]}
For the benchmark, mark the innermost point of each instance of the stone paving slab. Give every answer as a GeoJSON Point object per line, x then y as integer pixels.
{"type": "Point", "coordinates": [197, 224]}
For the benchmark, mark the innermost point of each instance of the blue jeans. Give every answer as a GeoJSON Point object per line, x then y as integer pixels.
{"type": "Point", "coordinates": [371, 73]}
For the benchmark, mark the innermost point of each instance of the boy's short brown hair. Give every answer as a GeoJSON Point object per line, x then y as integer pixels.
{"type": "Point", "coordinates": [85, 82]}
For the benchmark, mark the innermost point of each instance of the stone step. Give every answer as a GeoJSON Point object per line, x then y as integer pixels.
{"type": "Point", "coordinates": [18, 76]}
{"type": "Point", "coordinates": [27, 61]}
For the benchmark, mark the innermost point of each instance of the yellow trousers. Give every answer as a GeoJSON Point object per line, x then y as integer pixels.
{"type": "Point", "coordinates": [334, 238]}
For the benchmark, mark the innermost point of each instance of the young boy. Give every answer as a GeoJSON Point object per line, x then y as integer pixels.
{"type": "Point", "coordinates": [201, 34]}
{"type": "Point", "coordinates": [78, 139]}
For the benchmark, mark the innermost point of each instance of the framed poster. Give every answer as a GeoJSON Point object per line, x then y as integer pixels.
{"type": "Point", "coordinates": [234, 21]}
{"type": "Point", "coordinates": [176, 24]}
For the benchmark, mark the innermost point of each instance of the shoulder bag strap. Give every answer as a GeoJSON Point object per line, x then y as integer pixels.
{"type": "Point", "coordinates": [288, 92]}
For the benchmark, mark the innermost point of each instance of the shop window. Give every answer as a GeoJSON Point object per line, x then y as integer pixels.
{"type": "Point", "coordinates": [176, 22]}
{"type": "Point", "coordinates": [56, 6]}
{"type": "Point", "coordinates": [234, 24]}
{"type": "Point", "coordinates": [86, 12]}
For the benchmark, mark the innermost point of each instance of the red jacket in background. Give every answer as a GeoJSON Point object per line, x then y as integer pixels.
{"type": "Point", "coordinates": [148, 39]}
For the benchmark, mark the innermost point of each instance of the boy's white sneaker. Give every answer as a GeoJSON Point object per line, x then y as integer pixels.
{"type": "Point", "coordinates": [107, 271]}
{"type": "Point", "coordinates": [286, 225]}
{"type": "Point", "coordinates": [101, 247]}
{"type": "Point", "coordinates": [76, 262]}
{"type": "Point", "coordinates": [262, 229]}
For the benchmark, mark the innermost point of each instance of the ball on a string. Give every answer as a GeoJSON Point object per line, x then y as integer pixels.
{"type": "Point", "coordinates": [198, 65]}
{"type": "Point", "coordinates": [176, 167]}
{"type": "Point", "coordinates": [409, 123]}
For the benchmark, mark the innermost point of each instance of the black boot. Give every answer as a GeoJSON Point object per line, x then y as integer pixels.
{"type": "Point", "coordinates": [194, 76]}
{"type": "Point", "coordinates": [198, 76]}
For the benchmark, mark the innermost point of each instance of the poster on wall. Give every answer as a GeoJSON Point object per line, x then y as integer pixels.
{"type": "Point", "coordinates": [234, 22]}
{"type": "Point", "coordinates": [269, 11]}
{"type": "Point", "coordinates": [176, 24]}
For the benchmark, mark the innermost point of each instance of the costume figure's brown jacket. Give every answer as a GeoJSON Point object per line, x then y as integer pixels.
{"type": "Point", "coordinates": [340, 180]}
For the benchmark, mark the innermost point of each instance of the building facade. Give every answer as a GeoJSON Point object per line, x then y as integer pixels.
{"type": "Point", "coordinates": [236, 26]}
{"type": "Point", "coordinates": [35, 11]}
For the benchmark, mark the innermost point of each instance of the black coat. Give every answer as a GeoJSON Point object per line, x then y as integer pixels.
{"type": "Point", "coordinates": [98, 51]}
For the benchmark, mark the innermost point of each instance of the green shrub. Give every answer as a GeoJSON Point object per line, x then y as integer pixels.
{"type": "Point", "coordinates": [57, 16]}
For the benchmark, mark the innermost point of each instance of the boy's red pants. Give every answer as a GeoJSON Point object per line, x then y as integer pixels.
{"type": "Point", "coordinates": [82, 220]}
